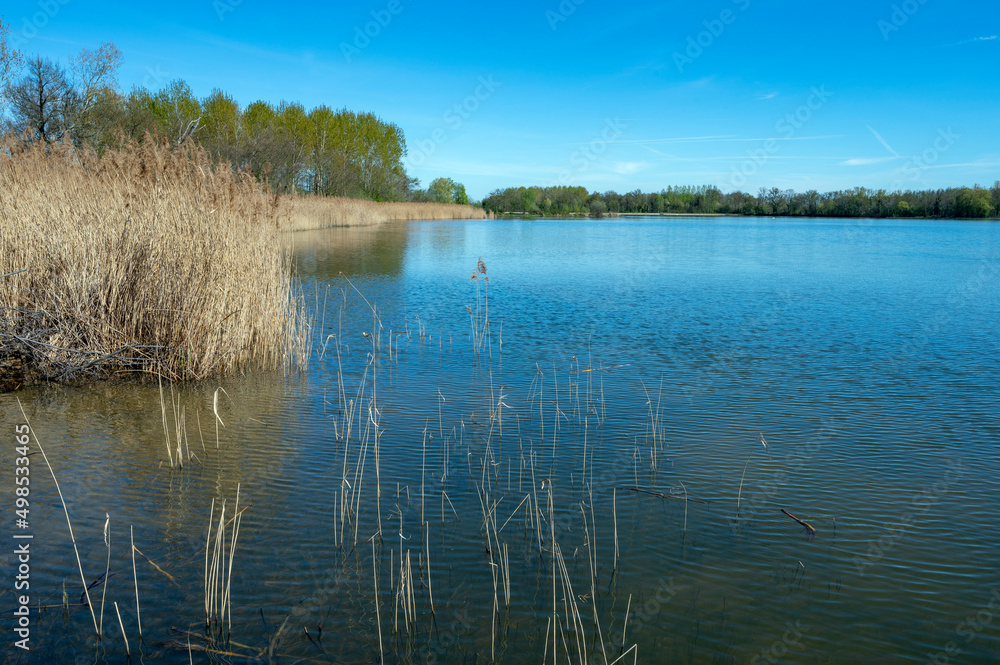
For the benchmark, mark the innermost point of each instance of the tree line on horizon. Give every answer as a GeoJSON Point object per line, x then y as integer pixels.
{"type": "Point", "coordinates": [338, 152]}
{"type": "Point", "coordinates": [334, 152]}
{"type": "Point", "coordinates": [960, 202]}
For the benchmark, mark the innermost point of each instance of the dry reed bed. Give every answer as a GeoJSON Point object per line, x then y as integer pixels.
{"type": "Point", "coordinates": [307, 213]}
{"type": "Point", "coordinates": [146, 259]}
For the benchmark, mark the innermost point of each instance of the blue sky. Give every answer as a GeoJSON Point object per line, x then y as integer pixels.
{"type": "Point", "coordinates": [741, 94]}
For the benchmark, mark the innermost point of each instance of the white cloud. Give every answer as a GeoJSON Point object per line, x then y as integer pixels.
{"type": "Point", "coordinates": [862, 161]}
{"type": "Point", "coordinates": [627, 168]}
{"type": "Point", "coordinates": [976, 39]}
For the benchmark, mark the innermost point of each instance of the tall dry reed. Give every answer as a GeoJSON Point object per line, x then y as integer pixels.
{"type": "Point", "coordinates": [145, 259]}
{"type": "Point", "coordinates": [306, 213]}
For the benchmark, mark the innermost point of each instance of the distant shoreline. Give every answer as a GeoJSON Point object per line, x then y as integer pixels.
{"type": "Point", "coordinates": [571, 215]}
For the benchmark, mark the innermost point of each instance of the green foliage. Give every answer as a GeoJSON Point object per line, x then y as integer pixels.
{"type": "Point", "coordinates": [443, 190]}
{"type": "Point", "coordinates": [858, 202]}
{"type": "Point", "coordinates": [320, 151]}
{"type": "Point", "coordinates": [976, 203]}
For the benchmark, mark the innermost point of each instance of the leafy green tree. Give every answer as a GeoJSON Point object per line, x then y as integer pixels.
{"type": "Point", "coordinates": [441, 190]}
{"type": "Point", "coordinates": [220, 126]}
{"type": "Point", "coordinates": [976, 203]}
{"type": "Point", "coordinates": [181, 109]}
{"type": "Point", "coordinates": [379, 157]}
{"type": "Point", "coordinates": [529, 199]}
{"type": "Point", "coordinates": [139, 115]}
{"type": "Point", "coordinates": [265, 149]}
{"type": "Point", "coordinates": [172, 111]}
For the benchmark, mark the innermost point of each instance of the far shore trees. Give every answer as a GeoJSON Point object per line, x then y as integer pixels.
{"type": "Point", "coordinates": [962, 202]}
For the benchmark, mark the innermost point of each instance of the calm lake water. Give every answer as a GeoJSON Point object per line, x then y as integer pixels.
{"type": "Point", "coordinates": [613, 355]}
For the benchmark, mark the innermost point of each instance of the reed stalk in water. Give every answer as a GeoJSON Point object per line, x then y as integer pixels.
{"type": "Point", "coordinates": [107, 570]}
{"type": "Point", "coordinates": [122, 626]}
{"type": "Point", "coordinates": [135, 580]}
{"type": "Point", "coordinates": [69, 523]}
{"type": "Point", "coordinates": [378, 615]}
{"type": "Point", "coordinates": [740, 493]}
{"type": "Point", "coordinates": [219, 572]}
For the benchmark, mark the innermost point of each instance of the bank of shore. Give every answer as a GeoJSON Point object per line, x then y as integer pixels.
{"type": "Point", "coordinates": [309, 213]}
{"type": "Point", "coordinates": [151, 260]}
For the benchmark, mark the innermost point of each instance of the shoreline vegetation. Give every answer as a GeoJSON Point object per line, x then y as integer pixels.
{"type": "Point", "coordinates": [139, 231]}
{"type": "Point", "coordinates": [143, 261]}
{"type": "Point", "coordinates": [154, 260]}
{"type": "Point", "coordinates": [310, 213]}
{"type": "Point", "coordinates": [955, 202]}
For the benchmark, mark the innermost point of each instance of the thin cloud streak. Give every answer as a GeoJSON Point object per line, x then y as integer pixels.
{"type": "Point", "coordinates": [724, 139]}
{"type": "Point", "coordinates": [862, 161]}
{"type": "Point", "coordinates": [885, 144]}
{"type": "Point", "coordinates": [976, 39]}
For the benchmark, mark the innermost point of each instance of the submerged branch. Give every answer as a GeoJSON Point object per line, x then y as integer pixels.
{"type": "Point", "coordinates": [662, 494]}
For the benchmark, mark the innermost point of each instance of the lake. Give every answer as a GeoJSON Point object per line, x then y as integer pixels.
{"type": "Point", "coordinates": [553, 440]}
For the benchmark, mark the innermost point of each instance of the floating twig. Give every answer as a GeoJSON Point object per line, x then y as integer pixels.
{"type": "Point", "coordinates": [808, 527]}
{"type": "Point", "coordinates": [599, 369]}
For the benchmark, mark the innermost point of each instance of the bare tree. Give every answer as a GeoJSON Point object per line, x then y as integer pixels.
{"type": "Point", "coordinates": [10, 58]}
{"type": "Point", "coordinates": [10, 62]}
{"type": "Point", "coordinates": [41, 99]}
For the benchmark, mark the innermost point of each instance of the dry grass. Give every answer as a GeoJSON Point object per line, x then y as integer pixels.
{"type": "Point", "coordinates": [306, 213]}
{"type": "Point", "coordinates": [147, 259]}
